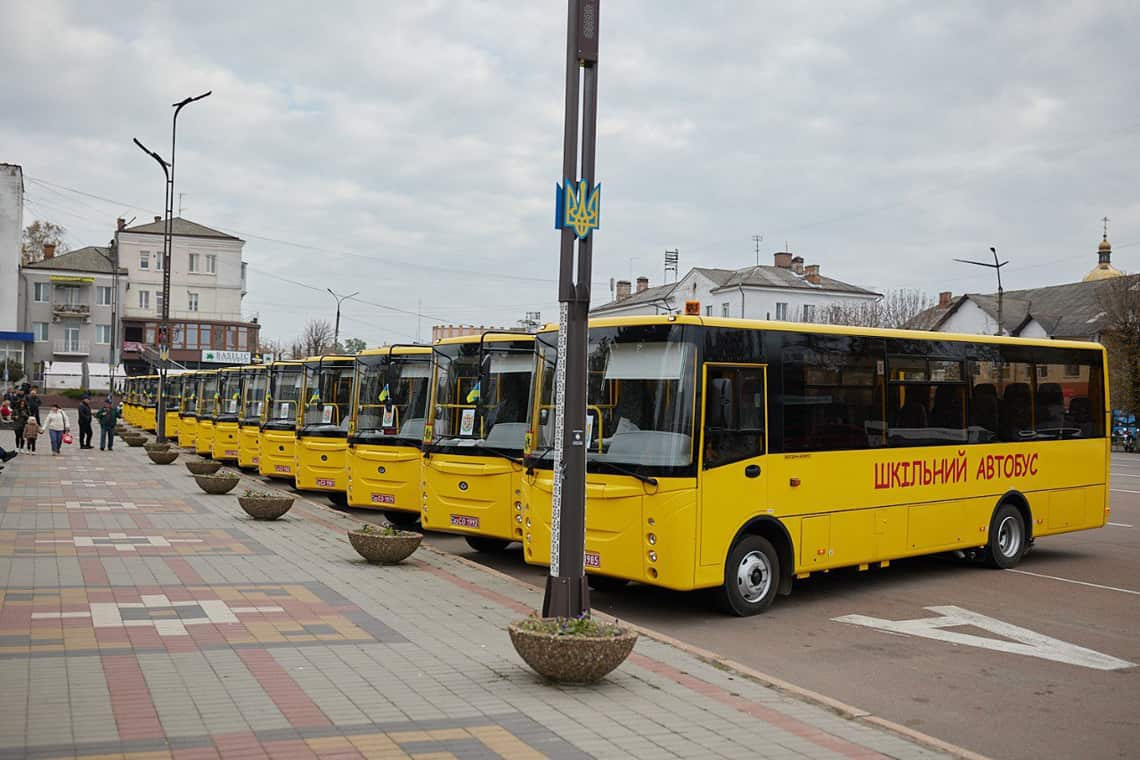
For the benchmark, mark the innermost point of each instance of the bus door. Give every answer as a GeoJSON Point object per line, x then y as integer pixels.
{"type": "Point", "coordinates": [734, 440]}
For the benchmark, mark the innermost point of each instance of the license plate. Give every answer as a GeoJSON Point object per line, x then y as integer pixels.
{"type": "Point", "coordinates": [257, 460]}
{"type": "Point", "coordinates": [383, 498]}
{"type": "Point", "coordinates": [326, 483]}
{"type": "Point", "coordinates": [231, 452]}
{"type": "Point", "coordinates": [464, 521]}
{"type": "Point", "coordinates": [593, 559]}
{"type": "Point", "coordinates": [282, 468]}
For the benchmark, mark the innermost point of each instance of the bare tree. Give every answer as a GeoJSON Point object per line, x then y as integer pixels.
{"type": "Point", "coordinates": [895, 309]}
{"type": "Point", "coordinates": [316, 339]}
{"type": "Point", "coordinates": [36, 235]}
{"type": "Point", "coordinates": [1119, 298]}
{"type": "Point", "coordinates": [274, 348]}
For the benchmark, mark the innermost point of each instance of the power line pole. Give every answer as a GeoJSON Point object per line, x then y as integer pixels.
{"type": "Point", "coordinates": [339, 300]}
{"type": "Point", "coordinates": [757, 239]}
{"type": "Point", "coordinates": [997, 268]}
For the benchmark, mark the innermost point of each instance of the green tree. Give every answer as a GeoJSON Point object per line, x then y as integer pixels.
{"type": "Point", "coordinates": [353, 345]}
{"type": "Point", "coordinates": [15, 370]}
{"type": "Point", "coordinates": [36, 235]}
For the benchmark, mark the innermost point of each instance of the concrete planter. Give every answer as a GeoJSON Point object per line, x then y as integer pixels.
{"type": "Point", "coordinates": [382, 549]}
{"type": "Point", "coordinates": [217, 484]}
{"type": "Point", "coordinates": [265, 507]}
{"type": "Point", "coordinates": [203, 467]}
{"type": "Point", "coordinates": [162, 456]}
{"type": "Point", "coordinates": [156, 446]}
{"type": "Point", "coordinates": [134, 440]}
{"type": "Point", "coordinates": [571, 658]}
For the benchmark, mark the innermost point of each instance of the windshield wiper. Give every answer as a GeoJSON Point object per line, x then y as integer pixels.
{"type": "Point", "coordinates": [623, 471]}
{"type": "Point", "coordinates": [503, 454]}
{"type": "Point", "coordinates": [530, 459]}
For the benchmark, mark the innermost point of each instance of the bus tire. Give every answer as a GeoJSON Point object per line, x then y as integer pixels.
{"type": "Point", "coordinates": [487, 544]}
{"type": "Point", "coordinates": [1008, 540]}
{"type": "Point", "coordinates": [339, 501]}
{"type": "Point", "coordinates": [402, 519]}
{"type": "Point", "coordinates": [605, 582]}
{"type": "Point", "coordinates": [751, 577]}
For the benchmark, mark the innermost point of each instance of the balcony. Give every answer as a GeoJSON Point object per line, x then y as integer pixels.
{"type": "Point", "coordinates": [71, 311]}
{"type": "Point", "coordinates": [71, 348]}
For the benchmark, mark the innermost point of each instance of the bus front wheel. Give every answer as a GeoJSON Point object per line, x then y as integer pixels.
{"type": "Point", "coordinates": [1007, 538]}
{"type": "Point", "coordinates": [606, 582]}
{"type": "Point", "coordinates": [402, 519]}
{"type": "Point", "coordinates": [339, 501]}
{"type": "Point", "coordinates": [486, 544]}
{"type": "Point", "coordinates": [751, 577]}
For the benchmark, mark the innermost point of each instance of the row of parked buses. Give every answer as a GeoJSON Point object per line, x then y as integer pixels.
{"type": "Point", "coordinates": [724, 454]}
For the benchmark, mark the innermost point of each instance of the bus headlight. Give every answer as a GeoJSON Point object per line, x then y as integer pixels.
{"type": "Point", "coordinates": [652, 556]}
{"type": "Point", "coordinates": [652, 539]}
{"type": "Point", "coordinates": [518, 518]}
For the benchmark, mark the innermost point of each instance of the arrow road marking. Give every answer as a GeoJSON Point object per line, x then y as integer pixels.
{"type": "Point", "coordinates": [1025, 642]}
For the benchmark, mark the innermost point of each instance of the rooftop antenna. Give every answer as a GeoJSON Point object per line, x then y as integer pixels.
{"type": "Point", "coordinates": [671, 258]}
{"type": "Point", "coordinates": [996, 266]}
{"type": "Point", "coordinates": [757, 239]}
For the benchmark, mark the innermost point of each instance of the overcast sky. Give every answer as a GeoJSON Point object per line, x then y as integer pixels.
{"type": "Point", "coordinates": [410, 150]}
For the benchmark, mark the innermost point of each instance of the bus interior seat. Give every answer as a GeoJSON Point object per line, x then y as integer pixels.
{"type": "Point", "coordinates": [913, 411]}
{"type": "Point", "coordinates": [649, 447]}
{"type": "Point", "coordinates": [506, 435]}
{"type": "Point", "coordinates": [1080, 413]}
{"type": "Point", "coordinates": [1050, 405]}
{"type": "Point", "coordinates": [947, 411]}
{"type": "Point", "coordinates": [984, 408]}
{"type": "Point", "coordinates": [1016, 412]}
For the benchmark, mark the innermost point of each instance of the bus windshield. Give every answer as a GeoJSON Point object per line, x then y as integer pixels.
{"type": "Point", "coordinates": [284, 392]}
{"type": "Point", "coordinates": [328, 391]}
{"type": "Point", "coordinates": [188, 402]}
{"type": "Point", "coordinates": [253, 393]}
{"type": "Point", "coordinates": [639, 397]}
{"type": "Point", "coordinates": [393, 397]}
{"type": "Point", "coordinates": [229, 394]}
{"type": "Point", "coordinates": [208, 397]}
{"type": "Point", "coordinates": [481, 395]}
{"type": "Point", "coordinates": [172, 389]}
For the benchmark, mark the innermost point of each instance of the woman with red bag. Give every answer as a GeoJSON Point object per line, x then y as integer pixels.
{"type": "Point", "coordinates": [57, 426]}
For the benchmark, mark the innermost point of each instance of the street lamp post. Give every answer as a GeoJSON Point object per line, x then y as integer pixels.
{"type": "Point", "coordinates": [578, 203]}
{"type": "Point", "coordinates": [339, 299]}
{"type": "Point", "coordinates": [163, 337]}
{"type": "Point", "coordinates": [996, 266]}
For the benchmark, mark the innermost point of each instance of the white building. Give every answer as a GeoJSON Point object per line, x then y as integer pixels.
{"type": "Point", "coordinates": [12, 340]}
{"type": "Point", "coordinates": [787, 290]}
{"type": "Point", "coordinates": [207, 275]}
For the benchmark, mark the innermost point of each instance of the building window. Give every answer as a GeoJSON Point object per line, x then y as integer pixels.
{"type": "Point", "coordinates": [192, 305]}
{"type": "Point", "coordinates": [158, 301]}
{"type": "Point", "coordinates": [144, 259]}
{"type": "Point", "coordinates": [144, 299]}
{"type": "Point", "coordinates": [194, 262]}
{"type": "Point", "coordinates": [158, 260]}
{"type": "Point", "coordinates": [178, 339]}
{"type": "Point", "coordinates": [211, 264]}
{"type": "Point", "coordinates": [708, 310]}
{"type": "Point", "coordinates": [103, 334]}
{"type": "Point", "coordinates": [103, 295]}
{"type": "Point", "coordinates": [809, 312]}
{"type": "Point", "coordinates": [192, 336]}
{"type": "Point", "coordinates": [724, 309]}
{"type": "Point", "coordinates": [41, 331]}
{"type": "Point", "coordinates": [781, 311]}
{"type": "Point", "coordinates": [71, 340]}
{"type": "Point", "coordinates": [204, 336]}
{"type": "Point", "coordinates": [41, 292]}
{"type": "Point", "coordinates": [1072, 370]}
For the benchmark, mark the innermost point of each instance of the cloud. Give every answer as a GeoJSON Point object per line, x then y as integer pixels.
{"type": "Point", "coordinates": [410, 150]}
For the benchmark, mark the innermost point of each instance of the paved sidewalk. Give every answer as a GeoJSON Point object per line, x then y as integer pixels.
{"type": "Point", "coordinates": [142, 618]}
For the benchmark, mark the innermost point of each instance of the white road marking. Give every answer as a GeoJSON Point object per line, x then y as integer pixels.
{"type": "Point", "coordinates": [1123, 490]}
{"type": "Point", "coordinates": [1119, 525]}
{"type": "Point", "coordinates": [1079, 583]}
{"type": "Point", "coordinates": [1025, 642]}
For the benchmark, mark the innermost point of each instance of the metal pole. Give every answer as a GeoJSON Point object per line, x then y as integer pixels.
{"type": "Point", "coordinates": [567, 594]}
{"type": "Point", "coordinates": [336, 330]}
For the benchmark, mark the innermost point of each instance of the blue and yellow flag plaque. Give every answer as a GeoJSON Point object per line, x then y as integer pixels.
{"type": "Point", "coordinates": [577, 207]}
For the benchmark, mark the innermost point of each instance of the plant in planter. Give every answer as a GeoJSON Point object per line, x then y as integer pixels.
{"type": "Point", "coordinates": [222, 482]}
{"type": "Point", "coordinates": [162, 456]}
{"type": "Point", "coordinates": [203, 467]}
{"type": "Point", "coordinates": [264, 505]}
{"type": "Point", "coordinates": [571, 650]}
{"type": "Point", "coordinates": [386, 545]}
{"type": "Point", "coordinates": [135, 440]}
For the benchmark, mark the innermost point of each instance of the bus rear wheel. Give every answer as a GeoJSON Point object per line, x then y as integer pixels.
{"type": "Point", "coordinates": [402, 519]}
{"type": "Point", "coordinates": [1008, 542]}
{"type": "Point", "coordinates": [339, 501]}
{"type": "Point", "coordinates": [486, 544]}
{"type": "Point", "coordinates": [751, 577]}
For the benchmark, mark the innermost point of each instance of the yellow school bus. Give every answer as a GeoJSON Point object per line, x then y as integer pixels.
{"type": "Point", "coordinates": [172, 390]}
{"type": "Point", "coordinates": [322, 425]}
{"type": "Point", "coordinates": [278, 439]}
{"type": "Point", "coordinates": [224, 446]}
{"type": "Point", "coordinates": [472, 466]}
{"type": "Point", "coordinates": [188, 410]}
{"type": "Point", "coordinates": [739, 455]}
{"type": "Point", "coordinates": [254, 382]}
{"type": "Point", "coordinates": [207, 409]}
{"type": "Point", "coordinates": [128, 399]}
{"type": "Point", "coordinates": [393, 387]}
{"type": "Point", "coordinates": [148, 385]}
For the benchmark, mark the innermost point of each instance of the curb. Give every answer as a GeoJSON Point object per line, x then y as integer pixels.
{"type": "Point", "coordinates": [844, 709]}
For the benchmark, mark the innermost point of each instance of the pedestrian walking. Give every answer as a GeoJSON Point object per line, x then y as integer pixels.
{"type": "Point", "coordinates": [56, 425]}
{"type": "Point", "coordinates": [107, 417]}
{"type": "Point", "coordinates": [19, 419]}
{"type": "Point", "coordinates": [32, 431]}
{"type": "Point", "coordinates": [33, 401]}
{"type": "Point", "coordinates": [85, 431]}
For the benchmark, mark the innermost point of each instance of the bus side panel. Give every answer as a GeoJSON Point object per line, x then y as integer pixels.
{"type": "Point", "coordinates": [248, 452]}
{"type": "Point", "coordinates": [384, 477]}
{"type": "Point", "coordinates": [204, 442]}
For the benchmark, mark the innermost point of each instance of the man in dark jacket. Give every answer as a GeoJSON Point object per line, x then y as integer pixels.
{"type": "Point", "coordinates": [33, 400]}
{"type": "Point", "coordinates": [85, 430]}
{"type": "Point", "coordinates": [108, 415]}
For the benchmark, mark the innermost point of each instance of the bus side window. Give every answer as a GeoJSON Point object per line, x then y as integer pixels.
{"type": "Point", "coordinates": [734, 415]}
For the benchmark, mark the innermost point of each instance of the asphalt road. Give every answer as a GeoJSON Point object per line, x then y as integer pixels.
{"type": "Point", "coordinates": [1082, 589]}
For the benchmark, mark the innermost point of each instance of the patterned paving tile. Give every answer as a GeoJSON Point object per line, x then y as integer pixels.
{"type": "Point", "coordinates": [143, 542]}
{"type": "Point", "coordinates": [73, 621]}
{"type": "Point", "coordinates": [85, 505]}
